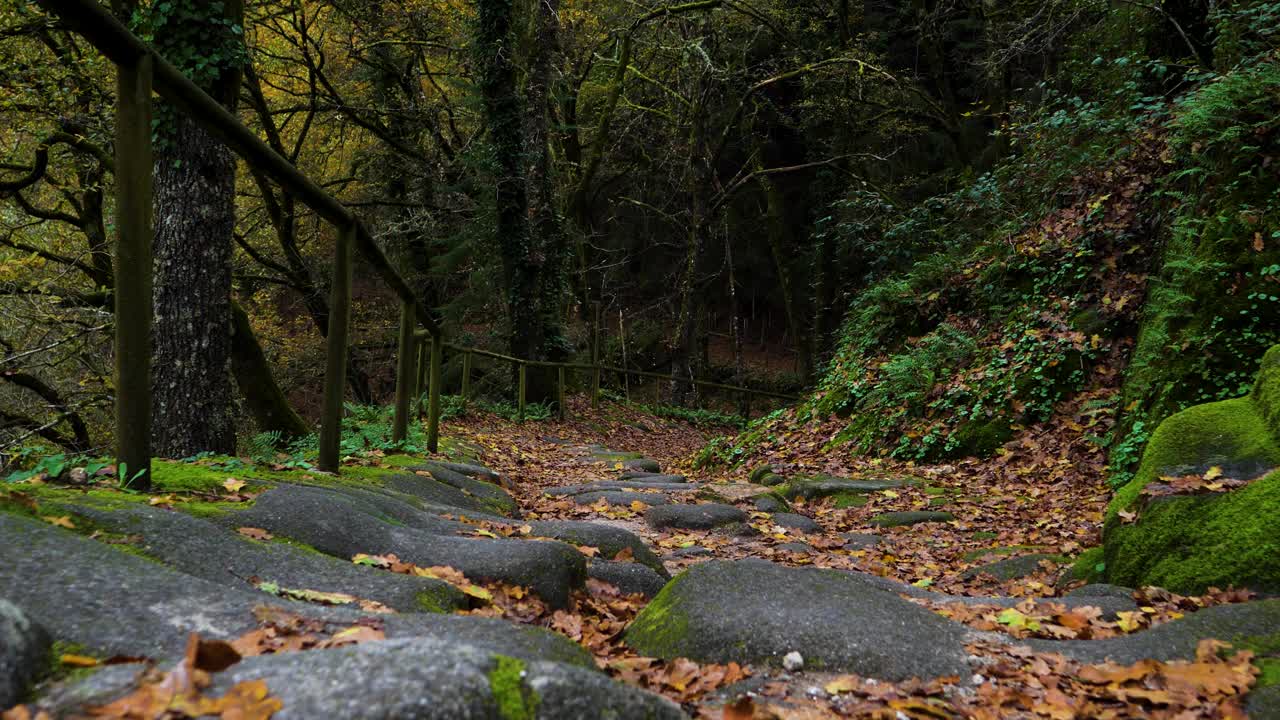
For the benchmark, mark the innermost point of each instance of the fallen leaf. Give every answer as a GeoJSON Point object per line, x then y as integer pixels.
{"type": "Point", "coordinates": [255, 533]}
{"type": "Point", "coordinates": [83, 661]}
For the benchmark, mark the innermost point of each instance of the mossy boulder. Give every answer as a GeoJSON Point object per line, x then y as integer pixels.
{"type": "Point", "coordinates": [751, 611]}
{"type": "Point", "coordinates": [910, 517]}
{"type": "Point", "coordinates": [979, 438]}
{"type": "Point", "coordinates": [1090, 566]}
{"type": "Point", "coordinates": [1190, 543]}
{"type": "Point", "coordinates": [414, 677]}
{"type": "Point", "coordinates": [704, 516]}
{"type": "Point", "coordinates": [820, 486]}
{"type": "Point", "coordinates": [793, 521]}
{"type": "Point", "coordinates": [771, 502]}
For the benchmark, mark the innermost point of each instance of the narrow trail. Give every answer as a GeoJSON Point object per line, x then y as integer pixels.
{"type": "Point", "coordinates": [987, 543]}
{"type": "Point", "coordinates": [588, 568]}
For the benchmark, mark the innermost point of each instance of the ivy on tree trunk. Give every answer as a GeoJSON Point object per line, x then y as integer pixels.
{"type": "Point", "coordinates": [194, 224]}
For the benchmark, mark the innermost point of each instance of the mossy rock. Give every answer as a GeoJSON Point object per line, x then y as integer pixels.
{"type": "Point", "coordinates": [771, 502]}
{"type": "Point", "coordinates": [1190, 543]}
{"type": "Point", "coordinates": [910, 517]}
{"type": "Point", "coordinates": [1090, 566]}
{"type": "Point", "coordinates": [758, 474]}
{"type": "Point", "coordinates": [849, 500]}
{"type": "Point", "coordinates": [820, 486]}
{"type": "Point", "coordinates": [750, 611]}
{"type": "Point", "coordinates": [979, 438]}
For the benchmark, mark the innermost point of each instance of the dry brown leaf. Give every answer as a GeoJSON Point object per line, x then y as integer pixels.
{"type": "Point", "coordinates": [255, 533]}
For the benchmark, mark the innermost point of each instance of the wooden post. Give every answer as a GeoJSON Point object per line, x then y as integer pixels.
{"type": "Point", "coordinates": [560, 394]}
{"type": "Point", "coordinates": [523, 386]}
{"type": "Point", "coordinates": [466, 376]}
{"type": "Point", "coordinates": [133, 303]}
{"type": "Point", "coordinates": [424, 365]}
{"type": "Point", "coordinates": [595, 355]}
{"type": "Point", "coordinates": [433, 403]}
{"type": "Point", "coordinates": [335, 373]}
{"type": "Point", "coordinates": [622, 338]}
{"type": "Point", "coordinates": [406, 372]}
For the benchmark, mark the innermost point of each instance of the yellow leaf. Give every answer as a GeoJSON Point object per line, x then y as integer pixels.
{"type": "Point", "coordinates": [233, 485]}
{"type": "Point", "coordinates": [843, 684]}
{"type": "Point", "coordinates": [1213, 473]}
{"type": "Point", "coordinates": [63, 521]}
{"type": "Point", "coordinates": [83, 661]}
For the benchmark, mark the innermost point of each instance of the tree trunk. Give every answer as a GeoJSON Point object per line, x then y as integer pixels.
{"type": "Point", "coordinates": [521, 262]}
{"type": "Point", "coordinates": [546, 231]}
{"type": "Point", "coordinates": [194, 223]}
{"type": "Point", "coordinates": [684, 349]}
{"type": "Point", "coordinates": [778, 232]}
{"type": "Point", "coordinates": [264, 398]}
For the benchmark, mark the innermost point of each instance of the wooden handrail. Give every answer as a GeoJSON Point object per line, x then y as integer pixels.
{"type": "Point", "coordinates": [141, 70]}
{"type": "Point", "coordinates": [609, 368]}
{"type": "Point", "coordinates": [95, 23]}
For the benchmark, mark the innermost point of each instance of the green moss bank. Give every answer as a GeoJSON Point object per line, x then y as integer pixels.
{"type": "Point", "coordinates": [1190, 543]}
{"type": "Point", "coordinates": [659, 630]}
{"type": "Point", "coordinates": [506, 682]}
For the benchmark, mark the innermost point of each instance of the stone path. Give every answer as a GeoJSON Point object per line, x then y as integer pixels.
{"type": "Point", "coordinates": [134, 579]}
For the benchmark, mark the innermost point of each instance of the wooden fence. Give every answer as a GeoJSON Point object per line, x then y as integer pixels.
{"type": "Point", "coordinates": [140, 72]}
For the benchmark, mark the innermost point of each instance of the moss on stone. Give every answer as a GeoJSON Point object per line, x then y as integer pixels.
{"type": "Point", "coordinates": [1090, 566]}
{"type": "Point", "coordinates": [710, 495]}
{"type": "Point", "coordinates": [57, 671]}
{"type": "Point", "coordinates": [171, 476]}
{"type": "Point", "coordinates": [1187, 544]}
{"type": "Point", "coordinates": [1231, 433]}
{"type": "Point", "coordinates": [979, 438]}
{"type": "Point", "coordinates": [1268, 672]}
{"type": "Point", "coordinates": [210, 510]}
{"type": "Point", "coordinates": [402, 461]}
{"type": "Point", "coordinates": [849, 500]}
{"type": "Point", "coordinates": [434, 601]}
{"type": "Point", "coordinates": [659, 629]}
{"type": "Point", "coordinates": [295, 544]}
{"type": "Point", "coordinates": [516, 701]}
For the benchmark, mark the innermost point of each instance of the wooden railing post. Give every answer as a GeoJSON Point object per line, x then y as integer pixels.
{"type": "Point", "coordinates": [406, 372]}
{"type": "Point", "coordinates": [560, 394]}
{"type": "Point", "coordinates": [335, 374]}
{"type": "Point", "coordinates": [595, 356]}
{"type": "Point", "coordinates": [133, 303]}
{"type": "Point", "coordinates": [523, 382]}
{"type": "Point", "coordinates": [466, 376]}
{"type": "Point", "coordinates": [433, 402]}
{"type": "Point", "coordinates": [424, 365]}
